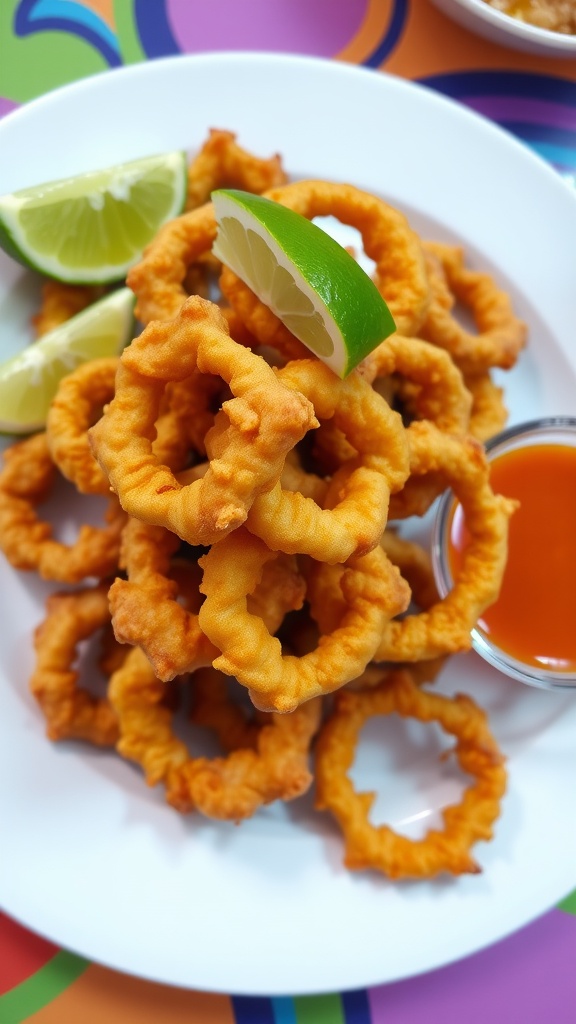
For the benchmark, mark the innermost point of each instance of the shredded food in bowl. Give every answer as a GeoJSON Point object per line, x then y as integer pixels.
{"type": "Point", "coordinates": [554, 15]}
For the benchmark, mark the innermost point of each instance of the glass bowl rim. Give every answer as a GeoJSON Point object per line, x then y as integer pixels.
{"type": "Point", "coordinates": [534, 431]}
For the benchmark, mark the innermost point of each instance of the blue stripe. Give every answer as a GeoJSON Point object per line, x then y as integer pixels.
{"type": "Point", "coordinates": [153, 26]}
{"type": "Point", "coordinates": [252, 1010]}
{"type": "Point", "coordinates": [563, 159]}
{"type": "Point", "coordinates": [392, 36]}
{"type": "Point", "coordinates": [356, 1007]}
{"type": "Point", "coordinates": [34, 16]}
{"type": "Point", "coordinates": [460, 84]}
{"type": "Point", "coordinates": [561, 137]}
{"type": "Point", "coordinates": [284, 1010]}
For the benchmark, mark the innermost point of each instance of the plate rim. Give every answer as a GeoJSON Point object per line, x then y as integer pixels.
{"type": "Point", "coordinates": [271, 60]}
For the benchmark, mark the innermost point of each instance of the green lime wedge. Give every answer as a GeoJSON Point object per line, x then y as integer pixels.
{"type": "Point", "coordinates": [28, 381]}
{"type": "Point", "coordinates": [304, 276]}
{"type": "Point", "coordinates": [93, 227]}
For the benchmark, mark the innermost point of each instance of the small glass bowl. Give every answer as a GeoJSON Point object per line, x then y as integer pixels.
{"type": "Point", "coordinates": [552, 430]}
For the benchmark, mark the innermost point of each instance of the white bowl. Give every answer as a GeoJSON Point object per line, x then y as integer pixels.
{"type": "Point", "coordinates": [479, 17]}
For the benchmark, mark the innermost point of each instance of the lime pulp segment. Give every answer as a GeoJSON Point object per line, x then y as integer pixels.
{"type": "Point", "coordinates": [93, 227]}
{"type": "Point", "coordinates": [29, 380]}
{"type": "Point", "coordinates": [304, 276]}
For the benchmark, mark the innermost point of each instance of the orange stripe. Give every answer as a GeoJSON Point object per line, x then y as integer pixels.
{"type": "Point", "coordinates": [371, 31]}
{"type": "Point", "coordinates": [103, 995]}
{"type": "Point", "coordinates": [105, 8]}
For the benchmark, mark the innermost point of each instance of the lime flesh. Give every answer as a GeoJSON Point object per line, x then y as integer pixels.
{"type": "Point", "coordinates": [304, 276]}
{"type": "Point", "coordinates": [93, 227]}
{"type": "Point", "coordinates": [29, 380]}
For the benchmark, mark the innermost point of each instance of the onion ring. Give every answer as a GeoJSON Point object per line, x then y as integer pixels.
{"type": "Point", "coordinates": [146, 610]}
{"type": "Point", "coordinates": [222, 163]}
{"type": "Point", "coordinates": [489, 414]}
{"type": "Point", "coordinates": [379, 847]}
{"type": "Point", "coordinates": [444, 628]}
{"type": "Point", "coordinates": [26, 540]}
{"type": "Point", "coordinates": [374, 592]}
{"type": "Point", "coordinates": [501, 335]}
{"type": "Point", "coordinates": [230, 788]}
{"type": "Point", "coordinates": [359, 493]}
{"type": "Point", "coordinates": [71, 712]}
{"type": "Point", "coordinates": [254, 430]}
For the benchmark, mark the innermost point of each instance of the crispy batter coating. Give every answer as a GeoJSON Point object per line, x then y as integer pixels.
{"type": "Point", "coordinates": [152, 609]}
{"type": "Point", "coordinates": [78, 402]}
{"type": "Point", "coordinates": [61, 301]}
{"type": "Point", "coordinates": [356, 502]}
{"type": "Point", "coordinates": [431, 388]}
{"type": "Point", "coordinates": [500, 334]}
{"type": "Point", "coordinates": [437, 390]}
{"type": "Point", "coordinates": [379, 847]}
{"type": "Point", "coordinates": [212, 707]}
{"type": "Point", "coordinates": [444, 628]}
{"type": "Point", "coordinates": [252, 433]}
{"type": "Point", "coordinates": [27, 540]}
{"type": "Point", "coordinates": [158, 280]}
{"type": "Point", "coordinates": [230, 788]}
{"type": "Point", "coordinates": [489, 413]}
{"type": "Point", "coordinates": [373, 591]}
{"type": "Point", "coordinates": [222, 163]}
{"type": "Point", "coordinates": [71, 711]}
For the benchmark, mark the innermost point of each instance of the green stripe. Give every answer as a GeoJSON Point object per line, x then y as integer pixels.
{"type": "Point", "coordinates": [41, 988]}
{"type": "Point", "coordinates": [128, 41]}
{"type": "Point", "coordinates": [569, 904]}
{"type": "Point", "coordinates": [318, 1010]}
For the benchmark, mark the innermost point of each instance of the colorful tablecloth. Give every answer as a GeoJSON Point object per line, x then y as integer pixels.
{"type": "Point", "coordinates": [530, 977]}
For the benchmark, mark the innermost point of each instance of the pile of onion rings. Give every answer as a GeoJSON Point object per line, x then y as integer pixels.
{"type": "Point", "coordinates": [256, 573]}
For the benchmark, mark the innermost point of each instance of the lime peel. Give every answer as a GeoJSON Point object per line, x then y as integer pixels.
{"type": "Point", "coordinates": [308, 280]}
{"type": "Point", "coordinates": [29, 380]}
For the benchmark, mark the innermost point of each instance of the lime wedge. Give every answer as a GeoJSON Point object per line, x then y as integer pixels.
{"type": "Point", "coordinates": [93, 227]}
{"type": "Point", "coordinates": [28, 381]}
{"type": "Point", "coordinates": [304, 276]}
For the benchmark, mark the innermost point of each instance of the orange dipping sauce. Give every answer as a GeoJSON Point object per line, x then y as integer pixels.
{"type": "Point", "coordinates": [534, 619]}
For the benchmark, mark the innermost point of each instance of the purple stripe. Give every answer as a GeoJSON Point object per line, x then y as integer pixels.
{"type": "Point", "coordinates": [6, 106]}
{"type": "Point", "coordinates": [531, 111]}
{"type": "Point", "coordinates": [529, 976]}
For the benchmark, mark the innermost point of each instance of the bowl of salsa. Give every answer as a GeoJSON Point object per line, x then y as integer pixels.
{"type": "Point", "coordinates": [529, 633]}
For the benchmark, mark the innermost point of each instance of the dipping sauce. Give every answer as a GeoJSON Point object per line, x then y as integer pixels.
{"type": "Point", "coordinates": [534, 619]}
{"type": "Point", "coordinates": [553, 15]}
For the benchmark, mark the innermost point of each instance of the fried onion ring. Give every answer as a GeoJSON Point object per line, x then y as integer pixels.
{"type": "Point", "coordinates": [229, 788]}
{"type": "Point", "coordinates": [438, 392]}
{"type": "Point", "coordinates": [222, 163]}
{"type": "Point", "coordinates": [71, 711]}
{"type": "Point", "coordinates": [358, 495]}
{"type": "Point", "coordinates": [147, 610]}
{"type": "Point", "coordinates": [254, 430]}
{"type": "Point", "coordinates": [25, 482]}
{"type": "Point", "coordinates": [379, 847]}
{"type": "Point", "coordinates": [444, 628]}
{"type": "Point", "coordinates": [489, 414]}
{"type": "Point", "coordinates": [158, 279]}
{"type": "Point", "coordinates": [501, 335]}
{"type": "Point", "coordinates": [373, 589]}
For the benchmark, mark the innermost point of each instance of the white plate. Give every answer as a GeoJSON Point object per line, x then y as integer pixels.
{"type": "Point", "coordinates": [88, 855]}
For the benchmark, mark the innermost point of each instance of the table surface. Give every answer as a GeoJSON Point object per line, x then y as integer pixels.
{"type": "Point", "coordinates": [528, 977]}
